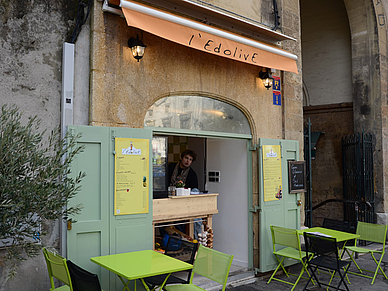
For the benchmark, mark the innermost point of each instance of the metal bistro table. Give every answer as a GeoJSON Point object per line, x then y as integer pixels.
{"type": "Point", "coordinates": [340, 236]}
{"type": "Point", "coordinates": [139, 265]}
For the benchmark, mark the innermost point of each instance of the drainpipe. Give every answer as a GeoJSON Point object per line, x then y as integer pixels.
{"type": "Point", "coordinates": [66, 114]}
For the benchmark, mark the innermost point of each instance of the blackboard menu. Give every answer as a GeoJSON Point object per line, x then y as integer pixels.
{"type": "Point", "coordinates": [297, 176]}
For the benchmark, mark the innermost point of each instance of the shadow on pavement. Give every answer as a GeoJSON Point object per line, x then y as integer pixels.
{"type": "Point", "coordinates": [357, 283]}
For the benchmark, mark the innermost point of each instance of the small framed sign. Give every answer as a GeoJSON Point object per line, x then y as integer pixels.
{"type": "Point", "coordinates": [297, 176]}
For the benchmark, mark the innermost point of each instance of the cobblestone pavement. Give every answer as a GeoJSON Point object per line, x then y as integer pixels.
{"type": "Point", "coordinates": [357, 283]}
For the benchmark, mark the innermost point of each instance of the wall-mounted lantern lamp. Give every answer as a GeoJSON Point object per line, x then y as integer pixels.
{"type": "Point", "coordinates": [266, 76]}
{"type": "Point", "coordinates": [137, 47]}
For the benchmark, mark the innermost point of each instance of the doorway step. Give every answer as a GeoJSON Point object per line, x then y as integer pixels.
{"type": "Point", "coordinates": [237, 276]}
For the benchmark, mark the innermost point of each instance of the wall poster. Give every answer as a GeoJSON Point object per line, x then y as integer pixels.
{"type": "Point", "coordinates": [131, 176]}
{"type": "Point", "coordinates": [272, 172]}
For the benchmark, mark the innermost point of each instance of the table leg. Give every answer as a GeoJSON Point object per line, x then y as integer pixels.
{"type": "Point", "coordinates": [191, 228]}
{"type": "Point", "coordinates": [160, 287]}
{"type": "Point", "coordinates": [164, 282]}
{"type": "Point", "coordinates": [145, 285]}
{"type": "Point", "coordinates": [210, 221]}
{"type": "Point", "coordinates": [125, 283]}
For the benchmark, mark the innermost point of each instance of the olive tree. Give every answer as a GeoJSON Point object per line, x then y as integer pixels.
{"type": "Point", "coordinates": [35, 184]}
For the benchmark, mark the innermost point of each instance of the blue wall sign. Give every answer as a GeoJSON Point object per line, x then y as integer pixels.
{"type": "Point", "coordinates": [276, 83]}
{"type": "Point", "coordinates": [277, 95]}
{"type": "Point", "coordinates": [277, 98]}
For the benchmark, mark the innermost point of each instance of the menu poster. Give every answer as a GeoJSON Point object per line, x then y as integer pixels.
{"type": "Point", "coordinates": [272, 172]}
{"type": "Point", "coordinates": [131, 176]}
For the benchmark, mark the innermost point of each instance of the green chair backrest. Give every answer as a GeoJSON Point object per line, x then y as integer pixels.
{"type": "Point", "coordinates": [285, 237]}
{"type": "Point", "coordinates": [213, 265]}
{"type": "Point", "coordinates": [57, 268]}
{"type": "Point", "coordinates": [372, 232]}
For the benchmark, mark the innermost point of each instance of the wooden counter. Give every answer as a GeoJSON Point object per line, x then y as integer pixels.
{"type": "Point", "coordinates": [177, 208]}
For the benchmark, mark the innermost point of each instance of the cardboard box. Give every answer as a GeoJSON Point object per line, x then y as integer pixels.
{"type": "Point", "coordinates": [182, 191]}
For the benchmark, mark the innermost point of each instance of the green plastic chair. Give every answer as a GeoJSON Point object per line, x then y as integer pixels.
{"type": "Point", "coordinates": [57, 268]}
{"type": "Point", "coordinates": [209, 263]}
{"type": "Point", "coordinates": [376, 233]}
{"type": "Point", "coordinates": [286, 244]}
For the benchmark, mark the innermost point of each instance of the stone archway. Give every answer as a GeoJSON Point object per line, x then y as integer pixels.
{"type": "Point", "coordinates": [369, 83]}
{"type": "Point", "coordinates": [366, 106]}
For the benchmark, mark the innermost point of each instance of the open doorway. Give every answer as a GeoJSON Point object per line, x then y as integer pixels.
{"type": "Point", "coordinates": [221, 167]}
{"type": "Point", "coordinates": [230, 224]}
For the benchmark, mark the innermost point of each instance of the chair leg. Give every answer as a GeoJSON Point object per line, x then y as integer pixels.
{"type": "Point", "coordinates": [331, 278]}
{"type": "Point", "coordinates": [385, 276]}
{"type": "Point", "coordinates": [277, 268]}
{"type": "Point", "coordinates": [304, 264]}
{"type": "Point", "coordinates": [284, 269]}
{"type": "Point", "coordinates": [375, 273]}
{"type": "Point", "coordinates": [347, 277]}
{"type": "Point", "coordinates": [378, 268]}
{"type": "Point", "coordinates": [342, 281]}
{"type": "Point", "coordinates": [299, 277]}
{"type": "Point", "coordinates": [311, 277]}
{"type": "Point", "coordinates": [354, 261]}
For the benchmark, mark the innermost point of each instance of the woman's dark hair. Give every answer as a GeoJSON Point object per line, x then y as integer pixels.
{"type": "Point", "coordinates": [189, 153]}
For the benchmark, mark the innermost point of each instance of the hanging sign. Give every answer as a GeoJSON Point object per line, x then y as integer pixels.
{"type": "Point", "coordinates": [272, 172]}
{"type": "Point", "coordinates": [131, 174]}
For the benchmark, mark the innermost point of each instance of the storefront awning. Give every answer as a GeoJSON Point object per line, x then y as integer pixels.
{"type": "Point", "coordinates": [206, 38]}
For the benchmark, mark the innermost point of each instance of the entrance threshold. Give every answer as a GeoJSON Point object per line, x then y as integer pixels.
{"type": "Point", "coordinates": [237, 276]}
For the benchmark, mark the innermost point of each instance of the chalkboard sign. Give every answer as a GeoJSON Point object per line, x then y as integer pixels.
{"type": "Point", "coordinates": [297, 176]}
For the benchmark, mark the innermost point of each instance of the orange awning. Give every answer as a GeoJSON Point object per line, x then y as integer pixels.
{"type": "Point", "coordinates": [206, 38]}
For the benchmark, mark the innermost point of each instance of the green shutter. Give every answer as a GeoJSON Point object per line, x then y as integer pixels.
{"type": "Point", "coordinates": [284, 212]}
{"type": "Point", "coordinates": [97, 231]}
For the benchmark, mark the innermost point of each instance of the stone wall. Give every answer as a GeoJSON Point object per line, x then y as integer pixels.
{"type": "Point", "coordinates": [31, 38]}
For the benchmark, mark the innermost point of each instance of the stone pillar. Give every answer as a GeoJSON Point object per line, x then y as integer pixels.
{"type": "Point", "coordinates": [368, 38]}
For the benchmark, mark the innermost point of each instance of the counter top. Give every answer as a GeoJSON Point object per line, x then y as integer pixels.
{"type": "Point", "coordinates": [192, 196]}
{"type": "Point", "coordinates": [184, 207]}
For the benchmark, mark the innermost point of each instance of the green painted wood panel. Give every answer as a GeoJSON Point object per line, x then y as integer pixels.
{"type": "Point", "coordinates": [129, 232]}
{"type": "Point", "coordinates": [97, 230]}
{"type": "Point", "coordinates": [284, 212]}
{"type": "Point", "coordinates": [89, 235]}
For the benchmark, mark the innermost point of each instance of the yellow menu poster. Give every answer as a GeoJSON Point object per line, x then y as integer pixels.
{"type": "Point", "coordinates": [272, 172]}
{"type": "Point", "coordinates": [131, 176]}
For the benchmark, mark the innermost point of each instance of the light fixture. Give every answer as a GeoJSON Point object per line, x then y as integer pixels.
{"type": "Point", "coordinates": [137, 47]}
{"type": "Point", "coordinates": [266, 76]}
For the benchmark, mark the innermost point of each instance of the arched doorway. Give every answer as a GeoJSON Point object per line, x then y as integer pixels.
{"type": "Point", "coordinates": [328, 100]}
{"type": "Point", "coordinates": [343, 49]}
{"type": "Point", "coordinates": [219, 133]}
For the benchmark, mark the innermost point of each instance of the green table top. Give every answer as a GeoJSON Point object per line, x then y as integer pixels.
{"type": "Point", "coordinates": [141, 264]}
{"type": "Point", "coordinates": [339, 235]}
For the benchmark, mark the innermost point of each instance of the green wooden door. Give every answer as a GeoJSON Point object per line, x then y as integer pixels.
{"type": "Point", "coordinates": [130, 232]}
{"type": "Point", "coordinates": [284, 212]}
{"type": "Point", "coordinates": [97, 231]}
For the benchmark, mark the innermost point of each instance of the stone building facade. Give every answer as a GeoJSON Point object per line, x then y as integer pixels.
{"type": "Point", "coordinates": [112, 89]}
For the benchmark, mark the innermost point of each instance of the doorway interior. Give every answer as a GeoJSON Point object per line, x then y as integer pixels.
{"type": "Point", "coordinates": [228, 157]}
